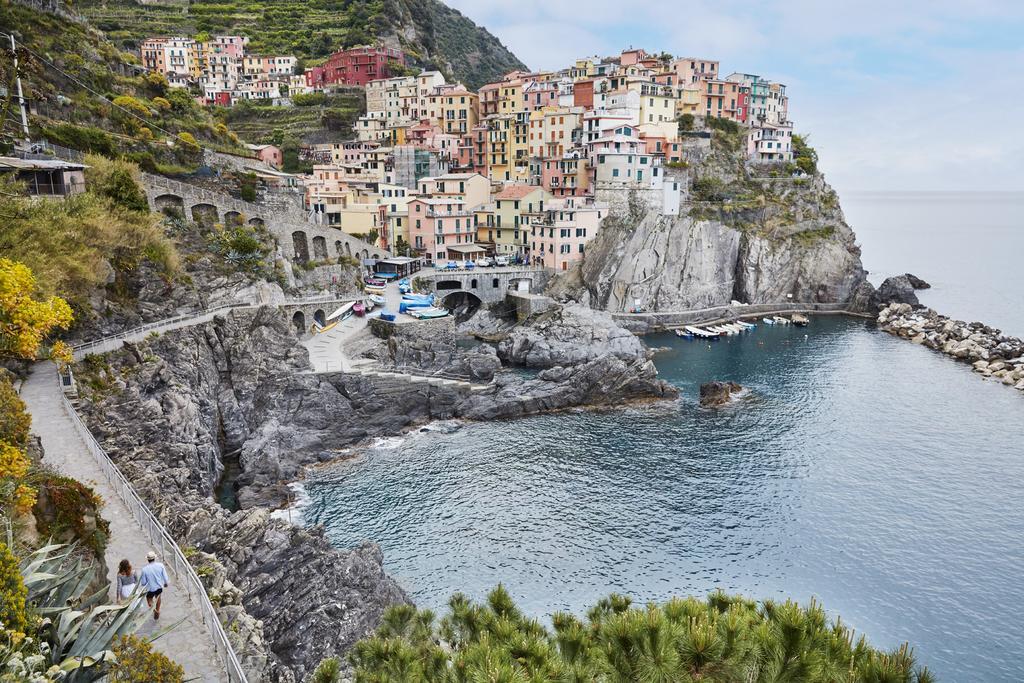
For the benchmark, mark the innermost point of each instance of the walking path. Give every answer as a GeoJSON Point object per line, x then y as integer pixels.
{"type": "Point", "coordinates": [190, 643]}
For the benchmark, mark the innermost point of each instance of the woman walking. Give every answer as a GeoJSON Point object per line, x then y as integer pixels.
{"type": "Point", "coordinates": [127, 580]}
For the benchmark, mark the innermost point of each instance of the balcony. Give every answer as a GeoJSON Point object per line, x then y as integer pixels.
{"type": "Point", "coordinates": [433, 213]}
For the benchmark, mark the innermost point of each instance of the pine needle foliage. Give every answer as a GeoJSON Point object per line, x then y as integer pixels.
{"type": "Point", "coordinates": [720, 639]}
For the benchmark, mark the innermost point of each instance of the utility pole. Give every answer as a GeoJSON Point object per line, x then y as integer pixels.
{"type": "Point", "coordinates": [21, 96]}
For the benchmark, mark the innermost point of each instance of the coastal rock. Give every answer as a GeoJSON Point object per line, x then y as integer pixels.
{"type": "Point", "coordinates": [897, 289]}
{"type": "Point", "coordinates": [240, 386]}
{"type": "Point", "coordinates": [798, 248]}
{"type": "Point", "coordinates": [569, 335]}
{"type": "Point", "coordinates": [916, 282]}
{"type": "Point", "coordinates": [606, 381]}
{"type": "Point", "coordinates": [716, 394]}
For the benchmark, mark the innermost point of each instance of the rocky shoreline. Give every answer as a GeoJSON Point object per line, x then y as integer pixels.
{"type": "Point", "coordinates": [992, 354]}
{"type": "Point", "coordinates": [171, 408]}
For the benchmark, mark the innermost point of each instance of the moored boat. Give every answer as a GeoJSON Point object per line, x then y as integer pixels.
{"type": "Point", "coordinates": [685, 334]}
{"type": "Point", "coordinates": [428, 313]}
{"type": "Point", "coordinates": [377, 299]}
{"type": "Point", "coordinates": [359, 309]}
{"type": "Point", "coordinates": [768, 321]}
{"type": "Point", "coordinates": [375, 281]}
{"type": "Point", "coordinates": [780, 320]}
{"type": "Point", "coordinates": [799, 319]}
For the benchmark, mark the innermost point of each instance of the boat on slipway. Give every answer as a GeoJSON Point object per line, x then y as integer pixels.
{"type": "Point", "coordinates": [701, 333]}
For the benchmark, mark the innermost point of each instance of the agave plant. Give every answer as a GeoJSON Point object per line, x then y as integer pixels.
{"type": "Point", "coordinates": [52, 586]}
{"type": "Point", "coordinates": [78, 629]}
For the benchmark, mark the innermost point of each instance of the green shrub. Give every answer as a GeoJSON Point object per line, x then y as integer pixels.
{"type": "Point", "coordinates": [722, 639]}
{"type": "Point", "coordinates": [804, 156]}
{"type": "Point", "coordinates": [708, 189]}
{"type": "Point", "coordinates": [82, 138]}
{"type": "Point", "coordinates": [116, 180]}
{"type": "Point", "coordinates": [327, 671]}
{"type": "Point", "coordinates": [685, 122]}
{"type": "Point", "coordinates": [312, 99]}
{"type": "Point", "coordinates": [138, 662]}
{"type": "Point", "coordinates": [723, 124]}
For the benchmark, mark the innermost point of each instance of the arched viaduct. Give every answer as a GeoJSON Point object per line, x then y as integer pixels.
{"type": "Point", "coordinates": [300, 241]}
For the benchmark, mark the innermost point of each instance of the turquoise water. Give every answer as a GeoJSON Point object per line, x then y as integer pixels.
{"type": "Point", "coordinates": [881, 477]}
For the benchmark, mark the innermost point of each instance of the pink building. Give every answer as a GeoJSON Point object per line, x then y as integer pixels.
{"type": "Point", "coordinates": [539, 94]}
{"type": "Point", "coordinates": [560, 233]}
{"type": "Point", "coordinates": [565, 177]}
{"type": "Point", "coordinates": [439, 222]}
{"type": "Point", "coordinates": [268, 154]}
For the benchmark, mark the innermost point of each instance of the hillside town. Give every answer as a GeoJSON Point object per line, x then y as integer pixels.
{"type": "Point", "coordinates": [524, 169]}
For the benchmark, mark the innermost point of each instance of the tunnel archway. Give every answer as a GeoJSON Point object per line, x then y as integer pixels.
{"type": "Point", "coordinates": [299, 323]}
{"type": "Point", "coordinates": [463, 305]}
{"type": "Point", "coordinates": [256, 222]}
{"type": "Point", "coordinates": [320, 317]}
{"type": "Point", "coordinates": [232, 218]}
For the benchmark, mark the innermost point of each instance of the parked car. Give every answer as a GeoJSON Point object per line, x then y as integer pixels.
{"type": "Point", "coordinates": [501, 261]}
{"type": "Point", "coordinates": [483, 262]}
{"type": "Point", "coordinates": [452, 265]}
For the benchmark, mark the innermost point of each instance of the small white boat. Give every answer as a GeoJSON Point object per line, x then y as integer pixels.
{"type": "Point", "coordinates": [768, 321]}
{"type": "Point", "coordinates": [780, 320]}
{"type": "Point", "coordinates": [745, 324]}
{"type": "Point", "coordinates": [702, 333]}
{"type": "Point", "coordinates": [342, 313]}
{"type": "Point", "coordinates": [800, 320]}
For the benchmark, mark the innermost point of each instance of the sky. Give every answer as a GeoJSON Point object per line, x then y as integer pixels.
{"type": "Point", "coordinates": [895, 95]}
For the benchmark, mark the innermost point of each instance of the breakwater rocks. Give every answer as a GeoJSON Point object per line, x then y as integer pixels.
{"type": "Point", "coordinates": [717, 394]}
{"type": "Point", "coordinates": [992, 353]}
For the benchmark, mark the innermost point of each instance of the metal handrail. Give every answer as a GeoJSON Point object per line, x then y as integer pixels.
{"type": "Point", "coordinates": [200, 316]}
{"type": "Point", "coordinates": [169, 549]}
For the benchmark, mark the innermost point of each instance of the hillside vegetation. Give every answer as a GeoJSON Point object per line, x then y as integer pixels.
{"type": "Point", "coordinates": [322, 118]}
{"type": "Point", "coordinates": [88, 95]}
{"type": "Point", "coordinates": [432, 34]}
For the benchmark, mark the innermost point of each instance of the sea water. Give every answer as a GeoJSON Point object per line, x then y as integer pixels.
{"type": "Point", "coordinates": [878, 476]}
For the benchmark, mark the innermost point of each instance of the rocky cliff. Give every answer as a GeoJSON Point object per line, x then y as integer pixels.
{"type": "Point", "coordinates": [174, 409]}
{"type": "Point", "coordinates": [741, 235]}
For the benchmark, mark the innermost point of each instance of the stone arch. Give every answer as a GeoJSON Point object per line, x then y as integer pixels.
{"type": "Point", "coordinates": [169, 204]}
{"type": "Point", "coordinates": [447, 285]}
{"type": "Point", "coordinates": [337, 248]}
{"type": "Point", "coordinates": [232, 218]}
{"type": "Point", "coordinates": [256, 220]}
{"type": "Point", "coordinates": [204, 213]}
{"type": "Point", "coordinates": [348, 249]}
{"type": "Point", "coordinates": [320, 317]}
{"type": "Point", "coordinates": [319, 248]}
{"type": "Point", "coordinates": [300, 246]}
{"type": "Point", "coordinates": [376, 257]}
{"type": "Point", "coordinates": [495, 283]}
{"type": "Point", "coordinates": [472, 283]}
{"type": "Point", "coordinates": [462, 304]}
{"type": "Point", "coordinates": [299, 322]}
{"type": "Point", "coordinates": [366, 254]}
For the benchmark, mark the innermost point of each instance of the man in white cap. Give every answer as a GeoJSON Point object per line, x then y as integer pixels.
{"type": "Point", "coordinates": [153, 578]}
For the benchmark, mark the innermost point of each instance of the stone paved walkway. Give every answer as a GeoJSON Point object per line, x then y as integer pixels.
{"type": "Point", "coordinates": [189, 643]}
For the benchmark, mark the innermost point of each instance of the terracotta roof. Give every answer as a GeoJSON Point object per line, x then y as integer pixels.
{"type": "Point", "coordinates": [516, 191]}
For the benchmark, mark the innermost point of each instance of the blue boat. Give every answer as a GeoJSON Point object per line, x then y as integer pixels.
{"type": "Point", "coordinates": [387, 315]}
{"type": "Point", "coordinates": [406, 305]}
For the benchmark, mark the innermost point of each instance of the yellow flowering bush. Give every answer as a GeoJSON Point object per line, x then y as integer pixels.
{"type": "Point", "coordinates": [12, 593]}
{"type": "Point", "coordinates": [24, 321]}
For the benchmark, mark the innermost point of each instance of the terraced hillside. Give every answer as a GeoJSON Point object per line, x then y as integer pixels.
{"type": "Point", "coordinates": [432, 34]}
{"type": "Point", "coordinates": [309, 122]}
{"type": "Point", "coordinates": [88, 95]}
